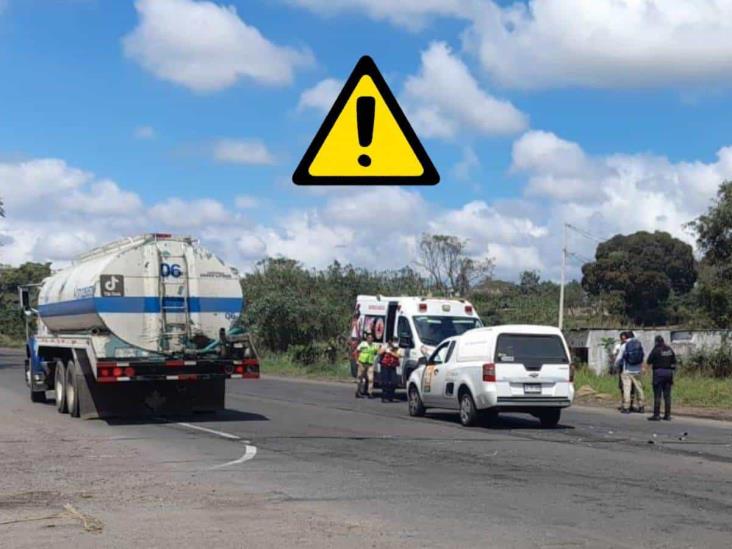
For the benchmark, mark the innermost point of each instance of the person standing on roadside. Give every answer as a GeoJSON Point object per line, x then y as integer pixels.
{"type": "Point", "coordinates": [618, 369]}
{"type": "Point", "coordinates": [389, 357]}
{"type": "Point", "coordinates": [367, 351]}
{"type": "Point", "coordinates": [663, 361]}
{"type": "Point", "coordinates": [630, 357]}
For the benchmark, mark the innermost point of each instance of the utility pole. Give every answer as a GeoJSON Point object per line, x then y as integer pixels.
{"type": "Point", "coordinates": [561, 286]}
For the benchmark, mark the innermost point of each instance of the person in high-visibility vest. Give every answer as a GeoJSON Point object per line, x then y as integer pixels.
{"type": "Point", "coordinates": [367, 351]}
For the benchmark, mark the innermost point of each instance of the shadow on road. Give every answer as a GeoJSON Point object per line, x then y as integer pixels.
{"type": "Point", "coordinates": [504, 422]}
{"type": "Point", "coordinates": [196, 418]}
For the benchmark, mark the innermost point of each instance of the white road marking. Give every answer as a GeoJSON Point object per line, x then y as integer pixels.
{"type": "Point", "coordinates": [211, 431]}
{"type": "Point", "coordinates": [249, 453]}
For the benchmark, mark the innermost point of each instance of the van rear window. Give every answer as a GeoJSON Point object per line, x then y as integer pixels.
{"type": "Point", "coordinates": [547, 349]}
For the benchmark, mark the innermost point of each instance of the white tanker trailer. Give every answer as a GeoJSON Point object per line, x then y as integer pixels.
{"type": "Point", "coordinates": [143, 324]}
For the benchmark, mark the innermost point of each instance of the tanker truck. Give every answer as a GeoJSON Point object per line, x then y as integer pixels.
{"type": "Point", "coordinates": [143, 325]}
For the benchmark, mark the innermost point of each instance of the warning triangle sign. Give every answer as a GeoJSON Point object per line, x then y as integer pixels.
{"type": "Point", "coordinates": [366, 139]}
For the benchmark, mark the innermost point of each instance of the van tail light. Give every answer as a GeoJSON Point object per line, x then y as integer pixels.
{"type": "Point", "coordinates": [468, 309]}
{"type": "Point", "coordinates": [489, 372]}
{"type": "Point", "coordinates": [572, 369]}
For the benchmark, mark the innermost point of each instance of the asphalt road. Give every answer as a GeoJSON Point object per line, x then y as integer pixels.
{"type": "Point", "coordinates": [304, 463]}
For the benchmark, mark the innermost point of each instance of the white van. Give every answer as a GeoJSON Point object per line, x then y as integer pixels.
{"type": "Point", "coordinates": [499, 369]}
{"type": "Point", "coordinates": [420, 323]}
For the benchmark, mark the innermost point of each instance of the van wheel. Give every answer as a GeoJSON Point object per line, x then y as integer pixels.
{"type": "Point", "coordinates": [72, 389]}
{"type": "Point", "coordinates": [416, 407]}
{"type": "Point", "coordinates": [550, 418]}
{"type": "Point", "coordinates": [468, 412]}
{"type": "Point", "coordinates": [60, 387]}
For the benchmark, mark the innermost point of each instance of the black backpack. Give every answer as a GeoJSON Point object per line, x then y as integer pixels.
{"type": "Point", "coordinates": [633, 352]}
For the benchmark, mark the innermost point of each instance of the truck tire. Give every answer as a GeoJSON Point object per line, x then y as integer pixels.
{"type": "Point", "coordinates": [72, 389]}
{"type": "Point", "coordinates": [468, 411]}
{"type": "Point", "coordinates": [550, 418]}
{"type": "Point", "coordinates": [35, 396]}
{"type": "Point", "coordinates": [59, 386]}
{"type": "Point", "coordinates": [416, 407]}
{"type": "Point", "coordinates": [38, 396]}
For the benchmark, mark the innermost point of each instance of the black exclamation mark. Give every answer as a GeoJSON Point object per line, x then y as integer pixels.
{"type": "Point", "coordinates": [365, 112]}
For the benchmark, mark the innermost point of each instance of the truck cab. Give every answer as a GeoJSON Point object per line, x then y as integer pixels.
{"type": "Point", "coordinates": [420, 324]}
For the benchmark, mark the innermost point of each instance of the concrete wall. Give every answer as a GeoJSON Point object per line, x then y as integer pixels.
{"type": "Point", "coordinates": [590, 342]}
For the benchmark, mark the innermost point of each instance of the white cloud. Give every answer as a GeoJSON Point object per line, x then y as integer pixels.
{"type": "Point", "coordinates": [207, 47]}
{"type": "Point", "coordinates": [606, 195]}
{"type": "Point", "coordinates": [412, 14]}
{"type": "Point", "coordinates": [145, 132]}
{"type": "Point", "coordinates": [237, 151]}
{"type": "Point", "coordinates": [446, 100]}
{"type": "Point", "coordinates": [246, 202]}
{"type": "Point", "coordinates": [605, 43]}
{"type": "Point", "coordinates": [321, 96]}
{"type": "Point", "coordinates": [65, 245]}
{"type": "Point", "coordinates": [183, 214]}
{"type": "Point", "coordinates": [464, 168]}
{"type": "Point", "coordinates": [374, 227]}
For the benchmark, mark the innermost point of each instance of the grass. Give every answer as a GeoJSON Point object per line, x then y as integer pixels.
{"type": "Point", "coordinates": [6, 341]}
{"type": "Point", "coordinates": [689, 390]}
{"type": "Point", "coordinates": [283, 365]}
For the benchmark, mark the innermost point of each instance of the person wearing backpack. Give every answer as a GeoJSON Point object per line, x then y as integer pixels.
{"type": "Point", "coordinates": [630, 357]}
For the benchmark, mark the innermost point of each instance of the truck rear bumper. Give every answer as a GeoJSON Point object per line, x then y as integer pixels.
{"type": "Point", "coordinates": [111, 371]}
{"type": "Point", "coordinates": [150, 398]}
{"type": "Point", "coordinates": [528, 404]}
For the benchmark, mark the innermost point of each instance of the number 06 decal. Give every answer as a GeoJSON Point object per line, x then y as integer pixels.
{"type": "Point", "coordinates": [173, 270]}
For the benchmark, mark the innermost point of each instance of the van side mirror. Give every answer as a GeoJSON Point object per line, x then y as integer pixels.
{"type": "Point", "coordinates": [24, 298]}
{"type": "Point", "coordinates": [405, 342]}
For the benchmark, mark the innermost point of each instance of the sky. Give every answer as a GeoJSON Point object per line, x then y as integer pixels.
{"type": "Point", "coordinates": [190, 116]}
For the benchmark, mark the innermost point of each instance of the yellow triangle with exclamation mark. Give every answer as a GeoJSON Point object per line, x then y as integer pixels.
{"type": "Point", "coordinates": [391, 154]}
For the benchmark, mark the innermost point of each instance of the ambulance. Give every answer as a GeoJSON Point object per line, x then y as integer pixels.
{"type": "Point", "coordinates": [420, 323]}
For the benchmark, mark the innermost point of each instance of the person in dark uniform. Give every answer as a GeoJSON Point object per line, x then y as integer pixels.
{"type": "Point", "coordinates": [663, 361]}
{"type": "Point", "coordinates": [390, 356]}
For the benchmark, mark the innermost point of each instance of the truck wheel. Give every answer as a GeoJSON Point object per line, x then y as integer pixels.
{"type": "Point", "coordinates": [72, 389]}
{"type": "Point", "coordinates": [416, 407]}
{"type": "Point", "coordinates": [550, 418]}
{"type": "Point", "coordinates": [60, 387]}
{"type": "Point", "coordinates": [468, 412]}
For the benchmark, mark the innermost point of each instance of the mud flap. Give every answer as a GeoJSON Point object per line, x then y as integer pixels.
{"type": "Point", "coordinates": [148, 398]}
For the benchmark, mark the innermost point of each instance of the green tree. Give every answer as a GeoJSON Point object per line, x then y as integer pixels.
{"type": "Point", "coordinates": [529, 282]}
{"type": "Point", "coordinates": [289, 306]}
{"type": "Point", "coordinates": [12, 324]}
{"type": "Point", "coordinates": [714, 238]}
{"type": "Point", "coordinates": [638, 273]}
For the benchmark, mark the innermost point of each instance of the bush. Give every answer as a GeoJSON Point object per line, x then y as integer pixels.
{"type": "Point", "coordinates": [316, 352]}
{"type": "Point", "coordinates": [709, 362]}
